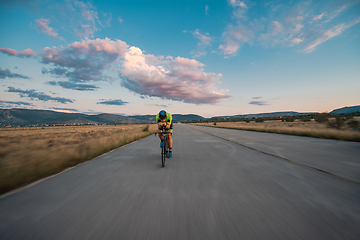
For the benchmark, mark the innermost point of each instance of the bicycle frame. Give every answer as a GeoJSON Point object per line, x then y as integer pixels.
{"type": "Point", "coordinates": [165, 147]}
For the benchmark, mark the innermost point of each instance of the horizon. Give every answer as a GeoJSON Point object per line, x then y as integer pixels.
{"type": "Point", "coordinates": [126, 115]}
{"type": "Point", "coordinates": [137, 57]}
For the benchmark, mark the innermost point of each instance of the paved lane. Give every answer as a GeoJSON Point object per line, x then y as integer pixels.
{"type": "Point", "coordinates": [338, 157]}
{"type": "Point", "coordinates": [210, 189]}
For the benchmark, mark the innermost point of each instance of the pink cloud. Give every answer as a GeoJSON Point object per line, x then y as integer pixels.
{"type": "Point", "coordinates": [186, 63]}
{"type": "Point", "coordinates": [45, 28]}
{"type": "Point", "coordinates": [178, 79]}
{"type": "Point", "coordinates": [11, 52]}
{"type": "Point", "coordinates": [86, 60]}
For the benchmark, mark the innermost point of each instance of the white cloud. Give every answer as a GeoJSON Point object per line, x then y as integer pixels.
{"type": "Point", "coordinates": [204, 41]}
{"type": "Point", "coordinates": [234, 37]}
{"type": "Point", "coordinates": [240, 8]}
{"type": "Point", "coordinates": [334, 14]}
{"type": "Point", "coordinates": [335, 31]}
{"type": "Point", "coordinates": [81, 17]}
{"type": "Point", "coordinates": [206, 10]}
{"type": "Point", "coordinates": [237, 3]}
{"type": "Point", "coordinates": [318, 17]}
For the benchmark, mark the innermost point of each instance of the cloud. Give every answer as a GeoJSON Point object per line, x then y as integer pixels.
{"type": "Point", "coordinates": [7, 74]}
{"type": "Point", "coordinates": [206, 10]}
{"type": "Point", "coordinates": [257, 97]}
{"type": "Point", "coordinates": [161, 105]}
{"type": "Point", "coordinates": [240, 8]}
{"type": "Point", "coordinates": [43, 23]}
{"type": "Point", "coordinates": [326, 35]}
{"type": "Point", "coordinates": [33, 94]}
{"type": "Point", "coordinates": [204, 42]}
{"type": "Point", "coordinates": [284, 25]}
{"type": "Point", "coordinates": [318, 17]}
{"type": "Point", "coordinates": [84, 61]}
{"type": "Point", "coordinates": [237, 3]}
{"type": "Point", "coordinates": [82, 17]}
{"type": "Point", "coordinates": [335, 13]}
{"type": "Point", "coordinates": [120, 20]}
{"type": "Point", "coordinates": [18, 103]}
{"type": "Point", "coordinates": [65, 109]}
{"type": "Point", "coordinates": [276, 29]}
{"type": "Point", "coordinates": [234, 37]}
{"type": "Point", "coordinates": [178, 79]}
{"type": "Point", "coordinates": [11, 52]}
{"type": "Point", "coordinates": [73, 86]}
{"type": "Point", "coordinates": [117, 102]}
{"type": "Point", "coordinates": [259, 103]}
{"type": "Point", "coordinates": [205, 39]}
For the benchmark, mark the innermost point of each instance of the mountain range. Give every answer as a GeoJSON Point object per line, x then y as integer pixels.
{"type": "Point", "coordinates": [27, 117]}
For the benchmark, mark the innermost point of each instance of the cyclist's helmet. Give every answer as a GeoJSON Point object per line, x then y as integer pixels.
{"type": "Point", "coordinates": [162, 114]}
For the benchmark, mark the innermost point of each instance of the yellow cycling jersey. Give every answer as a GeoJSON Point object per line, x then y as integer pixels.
{"type": "Point", "coordinates": [168, 118]}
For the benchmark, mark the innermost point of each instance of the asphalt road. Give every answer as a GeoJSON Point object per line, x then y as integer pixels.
{"type": "Point", "coordinates": [214, 187]}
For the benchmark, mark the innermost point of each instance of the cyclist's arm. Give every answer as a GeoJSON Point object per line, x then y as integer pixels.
{"type": "Point", "coordinates": [168, 121]}
{"type": "Point", "coordinates": [158, 121]}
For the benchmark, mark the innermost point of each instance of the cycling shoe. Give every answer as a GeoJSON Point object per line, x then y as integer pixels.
{"type": "Point", "coordinates": [161, 144]}
{"type": "Point", "coordinates": [170, 155]}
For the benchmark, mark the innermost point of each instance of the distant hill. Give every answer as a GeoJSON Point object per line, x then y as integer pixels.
{"type": "Point", "coordinates": [27, 117]}
{"type": "Point", "coordinates": [273, 114]}
{"type": "Point", "coordinates": [347, 109]}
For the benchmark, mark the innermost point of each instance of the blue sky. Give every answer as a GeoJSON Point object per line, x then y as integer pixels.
{"type": "Point", "coordinates": [204, 57]}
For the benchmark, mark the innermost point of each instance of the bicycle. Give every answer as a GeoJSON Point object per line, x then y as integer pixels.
{"type": "Point", "coordinates": [165, 147]}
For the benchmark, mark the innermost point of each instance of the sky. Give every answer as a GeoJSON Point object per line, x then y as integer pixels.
{"type": "Point", "coordinates": [212, 58]}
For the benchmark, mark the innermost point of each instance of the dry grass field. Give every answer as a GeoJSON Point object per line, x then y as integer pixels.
{"type": "Point", "coordinates": [298, 128]}
{"type": "Point", "coordinates": [28, 154]}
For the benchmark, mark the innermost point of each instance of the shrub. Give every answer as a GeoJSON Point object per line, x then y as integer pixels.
{"type": "Point", "coordinates": [290, 119]}
{"type": "Point", "coordinates": [305, 118]}
{"type": "Point", "coordinates": [321, 118]}
{"type": "Point", "coordinates": [215, 123]}
{"type": "Point", "coordinates": [337, 123]}
{"type": "Point", "coordinates": [247, 120]}
{"type": "Point", "coordinates": [353, 124]}
{"type": "Point", "coordinates": [349, 117]}
{"type": "Point", "coordinates": [259, 119]}
{"type": "Point", "coordinates": [146, 129]}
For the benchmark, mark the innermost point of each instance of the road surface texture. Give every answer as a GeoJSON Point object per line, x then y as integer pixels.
{"type": "Point", "coordinates": [212, 188]}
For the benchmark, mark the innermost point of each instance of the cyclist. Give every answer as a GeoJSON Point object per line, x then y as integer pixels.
{"type": "Point", "coordinates": [164, 119]}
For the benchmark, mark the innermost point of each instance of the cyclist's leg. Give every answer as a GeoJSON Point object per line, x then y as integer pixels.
{"type": "Point", "coordinates": [160, 134]}
{"type": "Point", "coordinates": [170, 140]}
{"type": "Point", "coordinates": [170, 136]}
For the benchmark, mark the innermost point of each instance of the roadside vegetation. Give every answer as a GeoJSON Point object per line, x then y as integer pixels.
{"type": "Point", "coordinates": [31, 153]}
{"type": "Point", "coordinates": [329, 126]}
